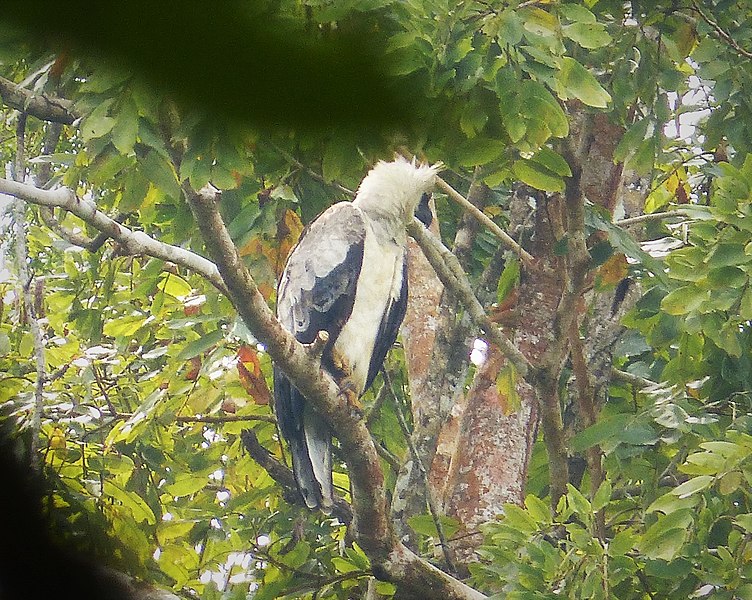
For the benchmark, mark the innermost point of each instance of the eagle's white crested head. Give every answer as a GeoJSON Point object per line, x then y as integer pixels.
{"type": "Point", "coordinates": [393, 189]}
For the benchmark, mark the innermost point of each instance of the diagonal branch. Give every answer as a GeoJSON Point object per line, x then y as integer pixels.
{"type": "Point", "coordinates": [41, 106]}
{"type": "Point", "coordinates": [453, 277]}
{"type": "Point", "coordinates": [284, 477]}
{"type": "Point", "coordinates": [134, 242]}
{"type": "Point", "coordinates": [430, 500]}
{"type": "Point", "coordinates": [720, 32]}
{"type": "Point", "coordinates": [487, 222]}
{"type": "Point", "coordinates": [26, 282]}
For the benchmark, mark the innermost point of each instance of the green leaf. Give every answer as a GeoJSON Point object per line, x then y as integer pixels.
{"type": "Point", "coordinates": [125, 130]}
{"type": "Point", "coordinates": [744, 521]}
{"type": "Point", "coordinates": [587, 35]}
{"type": "Point", "coordinates": [602, 496]}
{"type": "Point", "coordinates": [158, 171]}
{"type": "Point", "coordinates": [509, 27]}
{"type": "Point", "coordinates": [124, 326]}
{"type": "Point", "coordinates": [538, 509]}
{"type": "Point", "coordinates": [479, 151]}
{"type": "Point", "coordinates": [297, 557]}
{"type": "Point", "coordinates": [174, 285]}
{"type": "Point", "coordinates": [694, 485]}
{"type": "Point", "coordinates": [576, 13]}
{"type": "Point", "coordinates": [98, 122]}
{"type": "Point", "coordinates": [604, 429]}
{"type": "Point", "coordinates": [622, 543]}
{"type": "Point", "coordinates": [132, 501]}
{"type": "Point", "coordinates": [201, 345]}
{"type": "Point", "coordinates": [537, 104]}
{"type": "Point", "coordinates": [552, 161]}
{"type": "Point", "coordinates": [665, 538]}
{"type": "Point", "coordinates": [537, 176]}
{"type": "Point", "coordinates": [540, 22]}
{"type": "Point", "coordinates": [519, 519]}
{"type": "Point", "coordinates": [187, 484]}
{"type": "Point", "coordinates": [344, 566]}
{"type": "Point", "coordinates": [578, 503]}
{"type": "Point", "coordinates": [684, 300]}
{"type": "Point", "coordinates": [631, 139]}
{"type": "Point", "coordinates": [424, 525]}
{"type": "Point", "coordinates": [575, 81]}
{"type": "Point", "coordinates": [725, 255]}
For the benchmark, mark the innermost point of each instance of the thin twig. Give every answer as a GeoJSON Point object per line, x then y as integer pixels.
{"type": "Point", "coordinates": [317, 176]}
{"type": "Point", "coordinates": [430, 502]}
{"type": "Point", "coordinates": [486, 221]}
{"type": "Point", "coordinates": [652, 217]}
{"type": "Point", "coordinates": [720, 32]}
{"type": "Point", "coordinates": [284, 476]}
{"type": "Point", "coordinates": [209, 418]}
{"type": "Point", "coordinates": [635, 380]}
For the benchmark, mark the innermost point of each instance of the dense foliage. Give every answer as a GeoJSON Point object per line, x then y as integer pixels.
{"type": "Point", "coordinates": [150, 377]}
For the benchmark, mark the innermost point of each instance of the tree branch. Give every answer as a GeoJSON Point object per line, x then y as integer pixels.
{"type": "Point", "coordinates": [720, 32]}
{"type": "Point", "coordinates": [134, 242]}
{"type": "Point", "coordinates": [487, 222]}
{"type": "Point", "coordinates": [454, 278]}
{"type": "Point", "coordinates": [652, 217]}
{"type": "Point", "coordinates": [285, 478]}
{"type": "Point", "coordinates": [41, 106]}
{"type": "Point", "coordinates": [635, 380]}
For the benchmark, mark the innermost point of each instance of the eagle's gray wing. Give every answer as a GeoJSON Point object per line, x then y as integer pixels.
{"type": "Point", "coordinates": [316, 292]}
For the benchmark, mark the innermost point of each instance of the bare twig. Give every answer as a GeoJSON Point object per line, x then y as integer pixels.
{"type": "Point", "coordinates": [430, 501]}
{"type": "Point", "coordinates": [216, 419]}
{"type": "Point", "coordinates": [720, 32]}
{"type": "Point", "coordinates": [284, 477]}
{"type": "Point", "coordinates": [133, 242]}
{"type": "Point", "coordinates": [652, 217]}
{"type": "Point", "coordinates": [634, 380]}
{"type": "Point", "coordinates": [317, 176]}
{"type": "Point", "coordinates": [487, 222]}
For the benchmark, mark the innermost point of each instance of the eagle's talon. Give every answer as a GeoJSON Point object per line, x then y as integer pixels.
{"type": "Point", "coordinates": [340, 364]}
{"type": "Point", "coordinates": [349, 392]}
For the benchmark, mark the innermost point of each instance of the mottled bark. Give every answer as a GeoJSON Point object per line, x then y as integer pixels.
{"type": "Point", "coordinates": [436, 351]}
{"type": "Point", "coordinates": [492, 446]}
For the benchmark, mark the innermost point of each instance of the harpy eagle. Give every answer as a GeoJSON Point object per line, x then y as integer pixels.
{"type": "Point", "coordinates": [347, 276]}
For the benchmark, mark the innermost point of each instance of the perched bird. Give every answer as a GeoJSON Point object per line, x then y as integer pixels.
{"type": "Point", "coordinates": [347, 276]}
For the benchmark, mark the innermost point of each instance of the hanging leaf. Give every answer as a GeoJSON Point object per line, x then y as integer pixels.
{"type": "Point", "coordinates": [575, 81]}
{"type": "Point", "coordinates": [251, 375]}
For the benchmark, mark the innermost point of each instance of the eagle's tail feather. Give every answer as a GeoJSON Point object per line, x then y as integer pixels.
{"type": "Point", "coordinates": [310, 443]}
{"type": "Point", "coordinates": [318, 441]}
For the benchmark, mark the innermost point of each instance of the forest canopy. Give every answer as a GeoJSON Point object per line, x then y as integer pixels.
{"type": "Point", "coordinates": [567, 411]}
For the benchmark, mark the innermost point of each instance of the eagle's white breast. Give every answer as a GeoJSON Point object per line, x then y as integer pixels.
{"type": "Point", "coordinates": [380, 283]}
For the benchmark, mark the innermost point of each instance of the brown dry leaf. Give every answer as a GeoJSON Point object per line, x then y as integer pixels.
{"type": "Point", "coordinates": [678, 185]}
{"type": "Point", "coordinates": [251, 376]}
{"type": "Point", "coordinates": [613, 270]}
{"type": "Point", "coordinates": [195, 367]}
{"type": "Point", "coordinates": [289, 229]}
